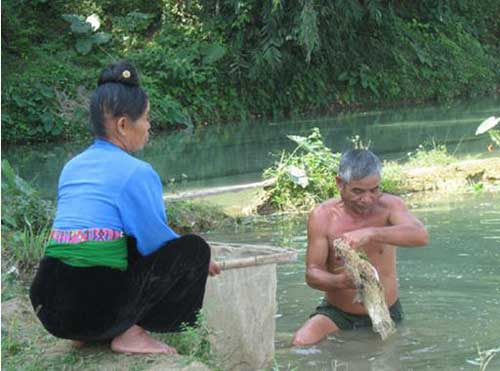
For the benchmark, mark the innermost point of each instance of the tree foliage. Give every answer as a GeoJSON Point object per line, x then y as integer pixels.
{"type": "Point", "coordinates": [224, 60]}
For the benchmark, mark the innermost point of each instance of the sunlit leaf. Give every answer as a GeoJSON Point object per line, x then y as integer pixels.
{"type": "Point", "coordinates": [297, 139]}
{"type": "Point", "coordinates": [487, 124]}
{"type": "Point", "coordinates": [94, 21]}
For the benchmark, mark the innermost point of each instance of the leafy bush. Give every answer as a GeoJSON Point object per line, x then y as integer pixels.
{"type": "Point", "coordinates": [26, 221]}
{"type": "Point", "coordinates": [305, 176]}
{"type": "Point", "coordinates": [182, 78]}
{"type": "Point", "coordinates": [205, 61]}
{"type": "Point", "coordinates": [48, 101]}
{"type": "Point", "coordinates": [24, 249]}
{"type": "Point", "coordinates": [22, 205]}
{"type": "Point", "coordinates": [85, 32]}
{"type": "Point", "coordinates": [433, 61]}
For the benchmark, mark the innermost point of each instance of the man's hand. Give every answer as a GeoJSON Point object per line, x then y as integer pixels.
{"type": "Point", "coordinates": [213, 268]}
{"type": "Point", "coordinates": [345, 281]}
{"type": "Point", "coordinates": [358, 238]}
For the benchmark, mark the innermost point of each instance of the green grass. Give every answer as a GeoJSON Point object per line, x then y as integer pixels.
{"type": "Point", "coordinates": [26, 345]}
{"type": "Point", "coordinates": [24, 249]}
{"type": "Point", "coordinates": [426, 157]}
{"type": "Point", "coordinates": [187, 216]}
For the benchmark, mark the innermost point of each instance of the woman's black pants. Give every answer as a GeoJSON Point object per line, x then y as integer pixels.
{"type": "Point", "coordinates": [158, 292]}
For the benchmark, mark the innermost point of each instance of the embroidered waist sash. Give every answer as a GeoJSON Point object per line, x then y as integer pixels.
{"type": "Point", "coordinates": [110, 253]}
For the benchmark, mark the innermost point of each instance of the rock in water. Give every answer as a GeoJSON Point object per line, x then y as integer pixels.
{"type": "Point", "coordinates": [369, 290]}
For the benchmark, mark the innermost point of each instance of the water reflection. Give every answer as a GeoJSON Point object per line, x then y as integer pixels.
{"type": "Point", "coordinates": [221, 155]}
{"type": "Point", "coordinates": [450, 293]}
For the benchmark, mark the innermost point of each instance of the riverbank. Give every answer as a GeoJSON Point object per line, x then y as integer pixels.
{"type": "Point", "coordinates": [411, 183]}
{"type": "Point", "coordinates": [26, 345]}
{"type": "Point", "coordinates": [475, 175]}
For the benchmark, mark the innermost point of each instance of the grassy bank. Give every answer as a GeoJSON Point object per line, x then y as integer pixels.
{"type": "Point", "coordinates": [306, 175]}
{"type": "Point", "coordinates": [26, 345]}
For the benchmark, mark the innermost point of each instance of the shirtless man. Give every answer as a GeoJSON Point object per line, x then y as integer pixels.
{"type": "Point", "coordinates": [369, 220]}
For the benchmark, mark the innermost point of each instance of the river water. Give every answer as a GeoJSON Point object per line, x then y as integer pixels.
{"type": "Point", "coordinates": [234, 154]}
{"type": "Point", "coordinates": [450, 291]}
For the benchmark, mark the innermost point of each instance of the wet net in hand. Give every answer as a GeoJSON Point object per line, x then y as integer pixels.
{"type": "Point", "coordinates": [369, 290]}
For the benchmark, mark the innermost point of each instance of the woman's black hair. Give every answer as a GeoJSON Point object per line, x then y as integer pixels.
{"type": "Point", "coordinates": [118, 93]}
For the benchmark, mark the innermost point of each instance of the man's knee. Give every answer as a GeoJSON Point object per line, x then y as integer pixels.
{"type": "Point", "coordinates": [314, 330]}
{"type": "Point", "coordinates": [304, 338]}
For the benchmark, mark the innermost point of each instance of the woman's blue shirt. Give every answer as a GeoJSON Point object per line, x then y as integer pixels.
{"type": "Point", "coordinates": [105, 187]}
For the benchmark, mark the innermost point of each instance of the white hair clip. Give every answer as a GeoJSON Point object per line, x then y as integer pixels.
{"type": "Point", "coordinates": [126, 74]}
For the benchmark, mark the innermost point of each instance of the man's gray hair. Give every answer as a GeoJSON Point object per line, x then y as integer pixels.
{"type": "Point", "coordinates": [356, 164]}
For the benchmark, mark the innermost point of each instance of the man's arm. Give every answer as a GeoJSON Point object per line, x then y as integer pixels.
{"type": "Point", "coordinates": [317, 275]}
{"type": "Point", "coordinates": [404, 229]}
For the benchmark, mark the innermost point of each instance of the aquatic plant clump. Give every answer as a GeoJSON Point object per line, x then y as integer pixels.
{"type": "Point", "coordinates": [369, 290]}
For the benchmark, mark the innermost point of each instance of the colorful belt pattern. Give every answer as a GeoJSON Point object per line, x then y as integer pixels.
{"type": "Point", "coordinates": [83, 235]}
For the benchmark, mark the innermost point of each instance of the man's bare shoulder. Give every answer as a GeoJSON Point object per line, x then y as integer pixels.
{"type": "Point", "coordinates": [321, 217]}
{"type": "Point", "coordinates": [325, 209]}
{"type": "Point", "coordinates": [392, 202]}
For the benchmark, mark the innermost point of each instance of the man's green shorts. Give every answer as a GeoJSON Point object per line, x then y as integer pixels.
{"type": "Point", "coordinates": [347, 321]}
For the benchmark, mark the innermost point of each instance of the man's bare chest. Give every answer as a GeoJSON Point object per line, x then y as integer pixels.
{"type": "Point", "coordinates": [375, 251]}
{"type": "Point", "coordinates": [340, 226]}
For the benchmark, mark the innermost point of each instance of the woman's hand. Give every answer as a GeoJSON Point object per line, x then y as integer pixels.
{"type": "Point", "coordinates": [213, 268]}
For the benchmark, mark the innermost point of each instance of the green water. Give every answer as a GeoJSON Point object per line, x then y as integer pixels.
{"type": "Point", "coordinates": [233, 154]}
{"type": "Point", "coordinates": [450, 293]}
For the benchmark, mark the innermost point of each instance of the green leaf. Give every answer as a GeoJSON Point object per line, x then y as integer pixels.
{"type": "Point", "coordinates": [100, 38]}
{"type": "Point", "coordinates": [297, 139]}
{"type": "Point", "coordinates": [56, 129]}
{"type": "Point", "coordinates": [308, 29]}
{"type": "Point", "coordinates": [83, 46]}
{"type": "Point", "coordinates": [81, 27]}
{"type": "Point", "coordinates": [344, 76]}
{"type": "Point", "coordinates": [495, 136]}
{"type": "Point", "coordinates": [14, 181]}
{"type": "Point", "coordinates": [72, 18]}
{"type": "Point", "coordinates": [364, 82]}
{"type": "Point", "coordinates": [47, 121]}
{"type": "Point", "coordinates": [212, 53]}
{"type": "Point", "coordinates": [45, 90]}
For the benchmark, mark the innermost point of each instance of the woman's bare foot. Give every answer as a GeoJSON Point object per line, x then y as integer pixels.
{"type": "Point", "coordinates": [137, 340]}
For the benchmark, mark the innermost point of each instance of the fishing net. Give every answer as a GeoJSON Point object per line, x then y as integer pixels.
{"type": "Point", "coordinates": [240, 304]}
{"type": "Point", "coordinates": [369, 290]}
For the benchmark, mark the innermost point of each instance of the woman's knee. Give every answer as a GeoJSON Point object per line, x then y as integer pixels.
{"type": "Point", "coordinates": [196, 246]}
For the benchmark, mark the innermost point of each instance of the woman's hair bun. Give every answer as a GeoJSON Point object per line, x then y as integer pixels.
{"type": "Point", "coordinates": [122, 72]}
